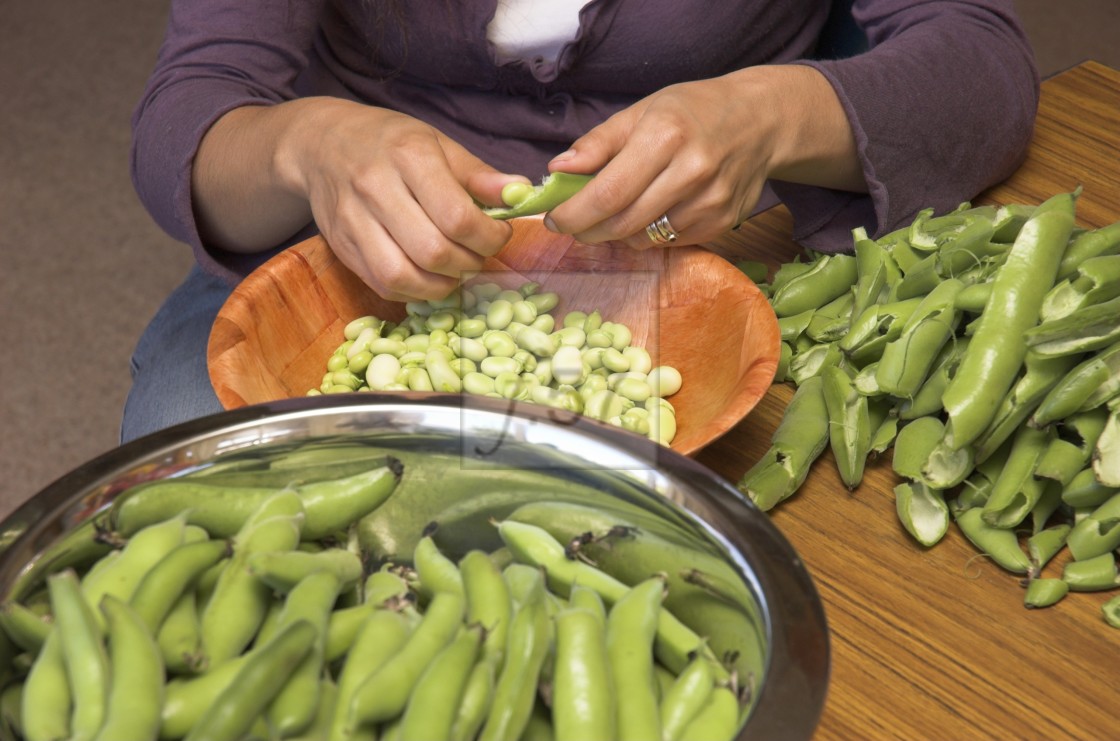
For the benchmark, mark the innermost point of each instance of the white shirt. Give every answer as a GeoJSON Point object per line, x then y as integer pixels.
{"type": "Point", "coordinates": [533, 29]}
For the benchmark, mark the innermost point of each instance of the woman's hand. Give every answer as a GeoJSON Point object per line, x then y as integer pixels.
{"type": "Point", "coordinates": [390, 194]}
{"type": "Point", "coordinates": [700, 153]}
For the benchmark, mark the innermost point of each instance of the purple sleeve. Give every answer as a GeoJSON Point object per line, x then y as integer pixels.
{"type": "Point", "coordinates": [270, 41]}
{"type": "Point", "coordinates": [942, 106]}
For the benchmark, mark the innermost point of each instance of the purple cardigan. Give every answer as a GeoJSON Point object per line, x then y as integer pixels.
{"type": "Point", "coordinates": [942, 104]}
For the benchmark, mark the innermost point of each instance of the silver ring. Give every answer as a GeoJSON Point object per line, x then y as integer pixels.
{"type": "Point", "coordinates": [661, 231]}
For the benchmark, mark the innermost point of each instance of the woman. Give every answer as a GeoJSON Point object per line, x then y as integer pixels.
{"type": "Point", "coordinates": [382, 124]}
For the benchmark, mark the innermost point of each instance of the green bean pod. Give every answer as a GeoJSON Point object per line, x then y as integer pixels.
{"type": "Point", "coordinates": [927, 399]}
{"type": "Point", "coordinates": [477, 697]}
{"type": "Point", "coordinates": [1048, 502]}
{"type": "Point", "coordinates": [1096, 280]}
{"type": "Point", "coordinates": [488, 601]}
{"type": "Point", "coordinates": [1016, 489]}
{"type": "Point", "coordinates": [996, 352]}
{"type": "Point", "coordinates": [1087, 245]}
{"type": "Point", "coordinates": [26, 628]}
{"type": "Point", "coordinates": [584, 598]}
{"type": "Point", "coordinates": [186, 699]}
{"type": "Point", "coordinates": [330, 506]}
{"type": "Point", "coordinates": [973, 298]}
{"type": "Point", "coordinates": [1098, 533]}
{"type": "Point", "coordinates": [922, 511]}
{"type": "Point", "coordinates": [1088, 385]}
{"type": "Point", "coordinates": [1110, 610]}
{"type": "Point", "coordinates": [827, 278]}
{"type": "Point", "coordinates": [919, 279]}
{"type": "Point", "coordinates": [262, 677]}
{"type": "Point", "coordinates": [686, 697]}
{"type": "Point", "coordinates": [718, 719]}
{"type": "Point", "coordinates": [968, 248]}
{"type": "Point", "coordinates": [784, 357]}
{"type": "Point", "coordinates": [175, 573]}
{"type": "Point", "coordinates": [136, 678]}
{"type": "Point", "coordinates": [1039, 376]}
{"type": "Point", "coordinates": [381, 636]}
{"type": "Point", "coordinates": [1093, 574]}
{"type": "Point", "coordinates": [830, 322]}
{"type": "Point", "coordinates": [787, 271]}
{"type": "Point", "coordinates": [582, 701]}
{"type": "Point", "coordinates": [1106, 453]}
{"type": "Point", "coordinates": [296, 704]}
{"type": "Point", "coordinates": [180, 637]}
{"type": "Point", "coordinates": [875, 270]}
{"type": "Point", "coordinates": [47, 701]}
{"type": "Point", "coordinates": [1044, 593]}
{"type": "Point", "coordinates": [342, 629]}
{"type": "Point", "coordinates": [809, 363]}
{"type": "Point", "coordinates": [849, 425]}
{"type": "Point", "coordinates": [928, 232]}
{"type": "Point", "coordinates": [383, 694]}
{"type": "Point", "coordinates": [1089, 328]}
{"type": "Point", "coordinates": [978, 485]}
{"type": "Point", "coordinates": [1084, 490]}
{"type": "Point", "coordinates": [999, 544]}
{"type": "Point", "coordinates": [1061, 461]}
{"type": "Point", "coordinates": [1009, 220]}
{"type": "Point", "coordinates": [144, 548]}
{"type": "Point", "coordinates": [434, 702]}
{"type": "Point", "coordinates": [792, 327]}
{"type": "Point", "coordinates": [87, 663]}
{"type": "Point", "coordinates": [526, 649]}
{"type": "Point", "coordinates": [436, 572]}
{"type": "Point", "coordinates": [631, 627]}
{"type": "Point", "coordinates": [875, 328]}
{"type": "Point", "coordinates": [799, 440]}
{"type": "Point", "coordinates": [240, 601]}
{"type": "Point", "coordinates": [915, 442]}
{"type": "Point", "coordinates": [906, 362]}
{"type": "Point", "coordinates": [284, 570]}
{"type": "Point", "coordinates": [385, 588]}
{"type": "Point", "coordinates": [527, 200]}
{"type": "Point", "coordinates": [1045, 544]}
{"type": "Point", "coordinates": [11, 710]}
{"type": "Point", "coordinates": [530, 544]}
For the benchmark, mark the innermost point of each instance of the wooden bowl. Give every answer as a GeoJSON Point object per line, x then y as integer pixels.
{"type": "Point", "coordinates": [687, 306]}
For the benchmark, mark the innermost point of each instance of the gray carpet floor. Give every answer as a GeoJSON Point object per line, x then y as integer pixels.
{"type": "Point", "coordinates": [82, 266]}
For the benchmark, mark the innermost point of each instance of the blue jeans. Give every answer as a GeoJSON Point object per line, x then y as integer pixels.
{"type": "Point", "coordinates": [170, 382]}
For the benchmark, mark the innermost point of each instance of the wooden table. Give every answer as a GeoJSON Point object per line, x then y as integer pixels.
{"type": "Point", "coordinates": [935, 643]}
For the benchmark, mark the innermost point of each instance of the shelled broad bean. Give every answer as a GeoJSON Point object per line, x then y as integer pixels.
{"type": "Point", "coordinates": [981, 347]}
{"type": "Point", "coordinates": [334, 641]}
{"type": "Point", "coordinates": [507, 344]}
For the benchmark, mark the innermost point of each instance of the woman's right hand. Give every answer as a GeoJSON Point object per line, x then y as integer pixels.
{"type": "Point", "coordinates": [392, 196]}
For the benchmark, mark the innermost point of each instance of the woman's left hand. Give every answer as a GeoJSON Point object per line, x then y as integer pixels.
{"type": "Point", "coordinates": [699, 153]}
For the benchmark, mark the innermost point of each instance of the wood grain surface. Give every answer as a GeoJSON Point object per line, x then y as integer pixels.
{"type": "Point", "coordinates": [935, 643]}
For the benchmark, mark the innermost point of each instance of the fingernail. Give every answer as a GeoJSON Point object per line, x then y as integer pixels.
{"type": "Point", "coordinates": [564, 156]}
{"type": "Point", "coordinates": [550, 225]}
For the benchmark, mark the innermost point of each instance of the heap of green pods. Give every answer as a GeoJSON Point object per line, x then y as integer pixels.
{"type": "Point", "coordinates": [981, 348]}
{"type": "Point", "coordinates": [190, 618]}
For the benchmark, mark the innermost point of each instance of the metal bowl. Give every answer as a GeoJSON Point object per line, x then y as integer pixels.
{"type": "Point", "coordinates": [485, 435]}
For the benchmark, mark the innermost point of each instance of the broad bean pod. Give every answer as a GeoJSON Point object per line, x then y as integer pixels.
{"type": "Point", "coordinates": [136, 676]}
{"type": "Point", "coordinates": [527, 200]}
{"type": "Point", "coordinates": [262, 677]}
{"type": "Point", "coordinates": [996, 353]}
